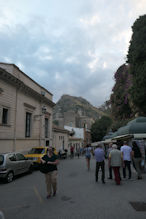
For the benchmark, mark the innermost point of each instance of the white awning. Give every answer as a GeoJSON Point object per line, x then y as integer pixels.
{"type": "Point", "coordinates": [123, 137]}
{"type": "Point", "coordinates": [140, 135]}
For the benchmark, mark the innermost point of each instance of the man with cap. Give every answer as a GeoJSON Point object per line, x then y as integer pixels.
{"type": "Point", "coordinates": [116, 161]}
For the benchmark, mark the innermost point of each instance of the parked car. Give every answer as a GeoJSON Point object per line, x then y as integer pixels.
{"type": "Point", "coordinates": [36, 153]}
{"type": "Point", "coordinates": [12, 164]}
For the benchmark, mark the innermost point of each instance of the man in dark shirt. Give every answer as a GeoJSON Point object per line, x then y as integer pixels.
{"type": "Point", "coordinates": [51, 161]}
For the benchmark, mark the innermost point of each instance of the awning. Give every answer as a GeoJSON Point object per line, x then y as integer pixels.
{"type": "Point", "coordinates": [140, 136]}
{"type": "Point", "coordinates": [123, 137]}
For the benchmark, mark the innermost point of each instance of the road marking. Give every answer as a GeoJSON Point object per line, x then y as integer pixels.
{"type": "Point", "coordinates": [15, 207]}
{"type": "Point", "coordinates": [38, 194]}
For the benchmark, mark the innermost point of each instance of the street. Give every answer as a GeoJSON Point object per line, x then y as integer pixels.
{"type": "Point", "coordinates": [78, 195]}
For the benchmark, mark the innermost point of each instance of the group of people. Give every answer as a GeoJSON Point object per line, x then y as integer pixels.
{"type": "Point", "coordinates": [123, 158]}
{"type": "Point", "coordinates": [117, 158]}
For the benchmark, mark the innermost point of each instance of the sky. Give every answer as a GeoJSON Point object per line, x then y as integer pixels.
{"type": "Point", "coordinates": [69, 47]}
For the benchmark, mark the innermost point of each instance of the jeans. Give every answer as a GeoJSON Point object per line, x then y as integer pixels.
{"type": "Point", "coordinates": [127, 166]}
{"type": "Point", "coordinates": [98, 165]}
{"type": "Point", "coordinates": [110, 173]}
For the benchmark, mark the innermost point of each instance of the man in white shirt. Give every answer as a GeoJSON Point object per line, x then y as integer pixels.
{"type": "Point", "coordinates": [127, 155]}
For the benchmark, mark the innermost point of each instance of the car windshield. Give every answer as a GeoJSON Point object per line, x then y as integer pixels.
{"type": "Point", "coordinates": [1, 159]}
{"type": "Point", "coordinates": [37, 151]}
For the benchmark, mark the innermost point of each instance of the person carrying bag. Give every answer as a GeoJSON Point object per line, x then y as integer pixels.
{"type": "Point", "coordinates": [48, 166]}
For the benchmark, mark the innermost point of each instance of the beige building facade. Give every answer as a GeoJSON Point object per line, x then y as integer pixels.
{"type": "Point", "coordinates": [25, 111]}
{"type": "Point", "coordinates": [60, 138]}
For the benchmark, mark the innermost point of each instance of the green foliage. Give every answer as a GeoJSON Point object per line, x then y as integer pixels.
{"type": "Point", "coordinates": [120, 106]}
{"type": "Point", "coordinates": [138, 89]}
{"type": "Point", "coordinates": [106, 107]}
{"type": "Point", "coordinates": [137, 59]}
{"type": "Point", "coordinates": [137, 48]}
{"type": "Point", "coordinates": [100, 128]}
{"type": "Point", "coordinates": [117, 124]}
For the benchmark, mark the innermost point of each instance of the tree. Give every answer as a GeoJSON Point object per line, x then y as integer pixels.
{"type": "Point", "coordinates": [106, 107]}
{"type": "Point", "coordinates": [100, 128]}
{"type": "Point", "coordinates": [117, 124]}
{"type": "Point", "coordinates": [120, 104]}
{"type": "Point", "coordinates": [137, 59]}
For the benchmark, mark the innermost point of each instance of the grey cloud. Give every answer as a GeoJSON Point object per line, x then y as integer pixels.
{"type": "Point", "coordinates": [65, 38]}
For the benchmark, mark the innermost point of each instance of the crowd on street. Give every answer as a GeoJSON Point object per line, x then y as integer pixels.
{"type": "Point", "coordinates": [118, 158]}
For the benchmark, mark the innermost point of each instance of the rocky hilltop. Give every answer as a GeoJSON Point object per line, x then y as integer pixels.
{"type": "Point", "coordinates": [75, 110]}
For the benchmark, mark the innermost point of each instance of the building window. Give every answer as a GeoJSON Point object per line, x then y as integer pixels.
{"type": "Point", "coordinates": [28, 125]}
{"type": "Point", "coordinates": [46, 128]}
{"type": "Point", "coordinates": [5, 116]}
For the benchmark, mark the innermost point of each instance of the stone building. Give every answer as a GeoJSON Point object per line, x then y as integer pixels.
{"type": "Point", "coordinates": [25, 111]}
{"type": "Point", "coordinates": [70, 118]}
{"type": "Point", "coordinates": [73, 119]}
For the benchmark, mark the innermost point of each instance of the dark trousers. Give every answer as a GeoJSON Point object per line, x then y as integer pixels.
{"type": "Point", "coordinates": [117, 175]}
{"type": "Point", "coordinates": [110, 173]}
{"type": "Point", "coordinates": [127, 166]}
{"type": "Point", "coordinates": [98, 165]}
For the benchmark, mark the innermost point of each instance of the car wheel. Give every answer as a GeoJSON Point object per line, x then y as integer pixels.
{"type": "Point", "coordinates": [10, 177]}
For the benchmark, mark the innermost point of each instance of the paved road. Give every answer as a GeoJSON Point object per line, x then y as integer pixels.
{"type": "Point", "coordinates": [78, 197]}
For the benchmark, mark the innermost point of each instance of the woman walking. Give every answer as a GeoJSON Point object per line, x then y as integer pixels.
{"type": "Point", "coordinates": [87, 151]}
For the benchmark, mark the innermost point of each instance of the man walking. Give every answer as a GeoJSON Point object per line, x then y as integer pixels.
{"type": "Point", "coordinates": [127, 155]}
{"type": "Point", "coordinates": [100, 157]}
{"type": "Point", "coordinates": [110, 168]}
{"type": "Point", "coordinates": [115, 162]}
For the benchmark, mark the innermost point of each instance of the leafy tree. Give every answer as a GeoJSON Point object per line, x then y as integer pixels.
{"type": "Point", "coordinates": [117, 124]}
{"type": "Point", "coordinates": [120, 104]}
{"type": "Point", "coordinates": [100, 128]}
{"type": "Point", "coordinates": [137, 59]}
{"type": "Point", "coordinates": [106, 107]}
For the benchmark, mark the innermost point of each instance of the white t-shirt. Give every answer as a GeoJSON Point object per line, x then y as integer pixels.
{"type": "Point", "coordinates": [126, 150]}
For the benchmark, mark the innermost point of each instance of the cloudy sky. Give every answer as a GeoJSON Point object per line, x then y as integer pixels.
{"type": "Point", "coordinates": [69, 46]}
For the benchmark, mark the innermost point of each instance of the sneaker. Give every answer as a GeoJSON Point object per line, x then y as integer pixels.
{"type": "Point", "coordinates": [48, 196]}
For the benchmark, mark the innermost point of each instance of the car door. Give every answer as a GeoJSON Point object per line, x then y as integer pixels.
{"type": "Point", "coordinates": [22, 163]}
{"type": "Point", "coordinates": [11, 163]}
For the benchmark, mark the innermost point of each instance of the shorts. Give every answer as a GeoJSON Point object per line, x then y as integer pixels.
{"type": "Point", "coordinates": [88, 156]}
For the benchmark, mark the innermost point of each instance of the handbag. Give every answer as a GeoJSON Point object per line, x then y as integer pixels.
{"type": "Point", "coordinates": [43, 168]}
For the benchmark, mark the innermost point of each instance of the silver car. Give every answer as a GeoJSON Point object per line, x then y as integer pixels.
{"type": "Point", "coordinates": [12, 164]}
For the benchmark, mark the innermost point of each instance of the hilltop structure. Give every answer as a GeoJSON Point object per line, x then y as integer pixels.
{"type": "Point", "coordinates": [75, 112]}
